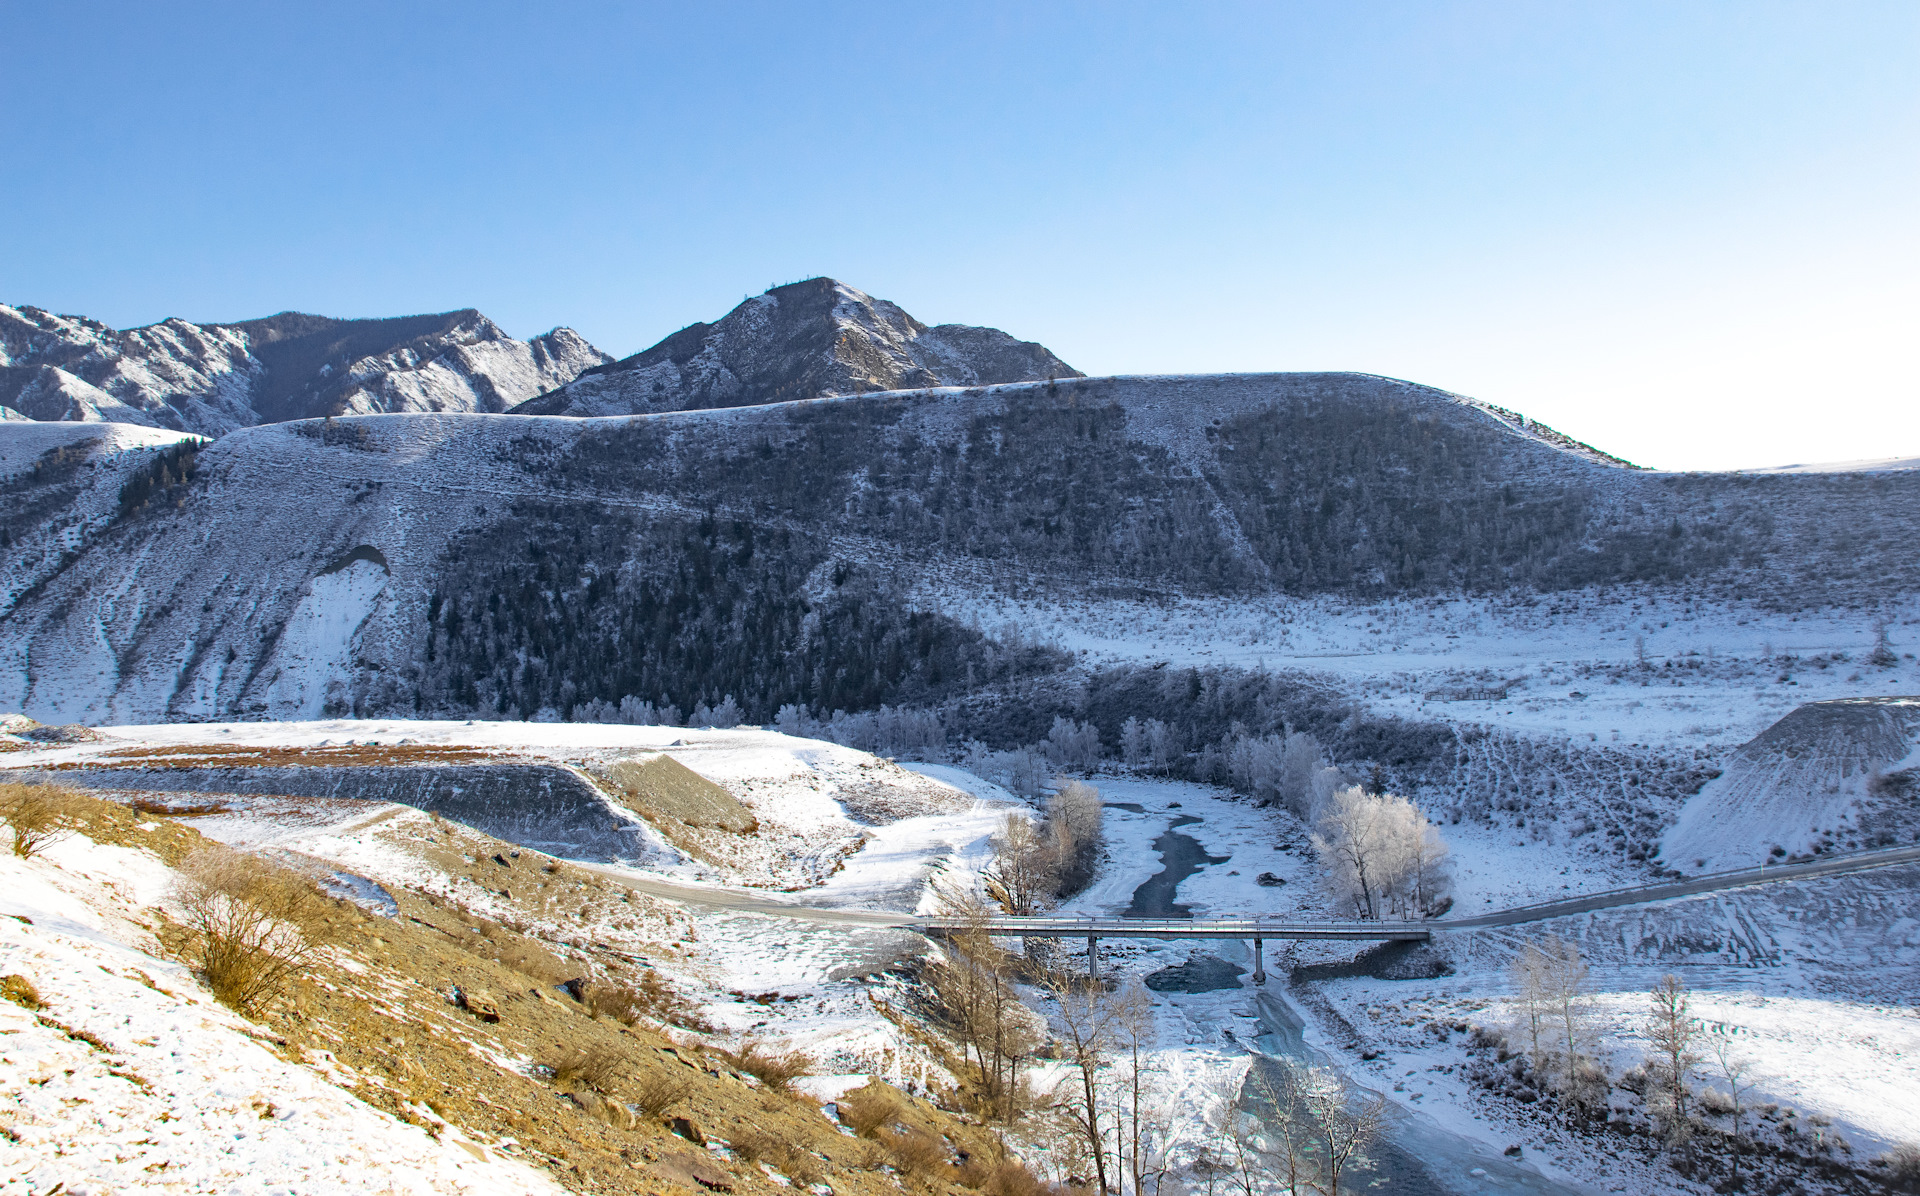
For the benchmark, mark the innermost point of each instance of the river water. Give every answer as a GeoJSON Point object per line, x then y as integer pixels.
{"type": "Point", "coordinates": [1415, 1156]}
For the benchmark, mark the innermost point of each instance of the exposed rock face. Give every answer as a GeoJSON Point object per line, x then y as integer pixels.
{"type": "Point", "coordinates": [1829, 775]}
{"type": "Point", "coordinates": [211, 379]}
{"type": "Point", "coordinates": [802, 341]}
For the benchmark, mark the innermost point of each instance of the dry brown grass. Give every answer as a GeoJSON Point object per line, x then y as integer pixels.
{"type": "Point", "coordinates": [658, 1089]}
{"type": "Point", "coordinates": [776, 1069]}
{"type": "Point", "coordinates": [794, 1162]}
{"type": "Point", "coordinates": [1008, 1177]}
{"type": "Point", "coordinates": [865, 1110]}
{"type": "Point", "coordinates": [918, 1153]}
{"type": "Point", "coordinates": [652, 998]}
{"type": "Point", "coordinates": [592, 1065]}
{"type": "Point", "coordinates": [38, 815]}
{"type": "Point", "coordinates": [20, 991]}
{"type": "Point", "coordinates": [253, 925]}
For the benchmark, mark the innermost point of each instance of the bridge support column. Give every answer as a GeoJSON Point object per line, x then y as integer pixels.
{"type": "Point", "coordinates": [1259, 968]}
{"type": "Point", "coordinates": [1093, 958]}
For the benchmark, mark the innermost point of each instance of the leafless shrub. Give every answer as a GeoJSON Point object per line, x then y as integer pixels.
{"type": "Point", "coordinates": [917, 1153]}
{"type": "Point", "coordinates": [657, 1090]}
{"type": "Point", "coordinates": [776, 1069]}
{"type": "Point", "coordinates": [865, 1110]}
{"type": "Point", "coordinates": [652, 998]}
{"type": "Point", "coordinates": [20, 991]}
{"type": "Point", "coordinates": [789, 1159]}
{"type": "Point", "coordinates": [254, 925]}
{"type": "Point", "coordinates": [589, 1065]}
{"type": "Point", "coordinates": [1007, 1177]}
{"type": "Point", "coordinates": [39, 815]}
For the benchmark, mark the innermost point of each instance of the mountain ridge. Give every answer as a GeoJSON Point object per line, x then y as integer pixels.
{"type": "Point", "coordinates": [210, 379]}
{"type": "Point", "coordinates": [804, 340]}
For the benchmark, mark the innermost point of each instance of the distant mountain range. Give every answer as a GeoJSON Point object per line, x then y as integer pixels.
{"type": "Point", "coordinates": [211, 379]}
{"type": "Point", "coordinates": [802, 341]}
{"type": "Point", "coordinates": [407, 556]}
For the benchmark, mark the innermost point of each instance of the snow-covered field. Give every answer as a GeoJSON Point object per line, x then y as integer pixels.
{"type": "Point", "coordinates": [1569, 664]}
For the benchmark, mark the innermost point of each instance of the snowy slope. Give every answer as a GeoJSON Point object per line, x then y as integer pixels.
{"type": "Point", "coordinates": [132, 1078]}
{"type": "Point", "coordinates": [213, 378]}
{"type": "Point", "coordinates": [1806, 783]}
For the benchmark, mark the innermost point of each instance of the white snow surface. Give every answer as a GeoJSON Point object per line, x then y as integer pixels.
{"type": "Point", "coordinates": [186, 1096]}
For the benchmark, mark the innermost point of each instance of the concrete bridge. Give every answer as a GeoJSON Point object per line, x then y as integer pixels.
{"type": "Point", "coordinates": [1256, 928]}
{"type": "Point", "coordinates": [1252, 928]}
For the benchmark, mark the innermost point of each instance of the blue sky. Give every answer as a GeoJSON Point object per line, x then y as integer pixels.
{"type": "Point", "coordinates": [1685, 232]}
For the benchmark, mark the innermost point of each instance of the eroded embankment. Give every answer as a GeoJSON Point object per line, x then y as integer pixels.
{"type": "Point", "coordinates": [547, 806]}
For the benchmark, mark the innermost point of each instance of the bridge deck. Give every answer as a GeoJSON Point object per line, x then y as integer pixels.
{"type": "Point", "coordinates": [1176, 928]}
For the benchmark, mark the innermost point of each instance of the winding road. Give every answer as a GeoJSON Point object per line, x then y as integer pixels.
{"type": "Point", "coordinates": [1258, 926]}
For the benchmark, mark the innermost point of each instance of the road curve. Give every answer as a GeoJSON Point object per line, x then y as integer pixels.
{"type": "Point", "coordinates": [1711, 882]}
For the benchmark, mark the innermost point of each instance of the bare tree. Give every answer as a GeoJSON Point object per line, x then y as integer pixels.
{"type": "Point", "coordinates": [1285, 1150]}
{"type": "Point", "coordinates": [1532, 1004]}
{"type": "Point", "coordinates": [1671, 1030]}
{"type": "Point", "coordinates": [1567, 986]}
{"type": "Point", "coordinates": [1087, 1031]}
{"type": "Point", "coordinates": [1733, 1070]}
{"type": "Point", "coordinates": [974, 989]}
{"type": "Point", "coordinates": [1144, 1121]}
{"type": "Point", "coordinates": [1022, 872]}
{"type": "Point", "coordinates": [1347, 1120]}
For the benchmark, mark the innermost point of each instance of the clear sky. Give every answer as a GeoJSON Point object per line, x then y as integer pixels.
{"type": "Point", "coordinates": [1686, 232]}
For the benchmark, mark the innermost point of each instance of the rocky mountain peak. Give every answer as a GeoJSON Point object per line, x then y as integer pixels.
{"type": "Point", "coordinates": [801, 341]}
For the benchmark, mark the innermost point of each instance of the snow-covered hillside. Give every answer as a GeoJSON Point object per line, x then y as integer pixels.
{"type": "Point", "coordinates": [210, 379]}
{"type": "Point", "coordinates": [1181, 491]}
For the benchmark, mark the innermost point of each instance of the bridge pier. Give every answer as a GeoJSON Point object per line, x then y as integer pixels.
{"type": "Point", "coordinates": [1093, 957]}
{"type": "Point", "coordinates": [1259, 969]}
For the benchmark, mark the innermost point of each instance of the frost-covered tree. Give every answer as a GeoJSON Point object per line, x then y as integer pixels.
{"type": "Point", "coordinates": [727, 714]}
{"type": "Point", "coordinates": [1133, 742]}
{"type": "Point", "coordinates": [1380, 853]}
{"type": "Point", "coordinates": [791, 720]}
{"type": "Point", "coordinates": [1073, 744]}
{"type": "Point", "coordinates": [1163, 745]}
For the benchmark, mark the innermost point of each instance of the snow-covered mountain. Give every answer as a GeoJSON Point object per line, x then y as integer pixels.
{"type": "Point", "coordinates": [801, 341]}
{"type": "Point", "coordinates": [786, 553]}
{"type": "Point", "coordinates": [213, 378]}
